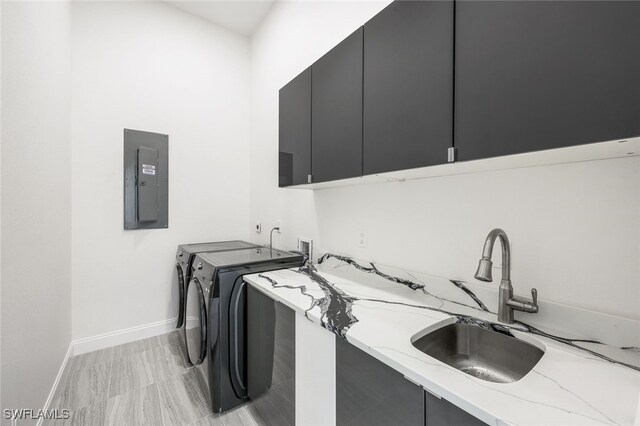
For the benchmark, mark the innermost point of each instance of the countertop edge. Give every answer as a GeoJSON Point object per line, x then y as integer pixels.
{"type": "Point", "coordinates": [428, 386]}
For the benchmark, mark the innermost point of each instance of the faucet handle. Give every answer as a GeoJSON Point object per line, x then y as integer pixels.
{"type": "Point", "coordinates": [534, 296]}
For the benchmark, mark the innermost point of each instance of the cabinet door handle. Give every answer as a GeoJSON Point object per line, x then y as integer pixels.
{"type": "Point", "coordinates": [412, 381]}
{"type": "Point", "coordinates": [452, 155]}
{"type": "Point", "coordinates": [432, 393]}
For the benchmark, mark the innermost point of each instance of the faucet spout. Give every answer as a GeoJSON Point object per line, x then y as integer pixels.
{"type": "Point", "coordinates": [484, 268]}
{"type": "Point", "coordinates": [507, 302]}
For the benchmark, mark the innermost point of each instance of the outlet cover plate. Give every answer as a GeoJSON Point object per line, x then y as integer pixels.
{"type": "Point", "coordinates": [362, 239]}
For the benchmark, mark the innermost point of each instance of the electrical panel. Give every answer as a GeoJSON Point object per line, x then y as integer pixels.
{"type": "Point", "coordinates": [146, 178]}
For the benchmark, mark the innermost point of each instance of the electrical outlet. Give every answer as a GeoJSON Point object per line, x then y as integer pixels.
{"type": "Point", "coordinates": [258, 227]}
{"type": "Point", "coordinates": [362, 239]}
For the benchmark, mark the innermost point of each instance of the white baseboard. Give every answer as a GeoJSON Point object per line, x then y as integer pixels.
{"type": "Point", "coordinates": [119, 337]}
{"type": "Point", "coordinates": [56, 382]}
{"type": "Point", "coordinates": [106, 340]}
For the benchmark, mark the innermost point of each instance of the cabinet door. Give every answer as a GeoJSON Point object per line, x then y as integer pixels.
{"type": "Point", "coordinates": [336, 142]}
{"type": "Point", "coordinates": [533, 75]}
{"type": "Point", "coordinates": [294, 157]}
{"type": "Point", "coordinates": [440, 412]}
{"type": "Point", "coordinates": [370, 393]}
{"type": "Point", "coordinates": [271, 358]}
{"type": "Point", "coordinates": [408, 86]}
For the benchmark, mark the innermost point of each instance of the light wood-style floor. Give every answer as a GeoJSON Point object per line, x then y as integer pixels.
{"type": "Point", "coordinates": [147, 382]}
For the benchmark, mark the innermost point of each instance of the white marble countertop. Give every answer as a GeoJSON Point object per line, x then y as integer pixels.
{"type": "Point", "coordinates": [381, 310]}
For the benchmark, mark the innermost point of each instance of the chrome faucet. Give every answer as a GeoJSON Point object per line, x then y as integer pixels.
{"type": "Point", "coordinates": [275, 228]}
{"type": "Point", "coordinates": [507, 302]}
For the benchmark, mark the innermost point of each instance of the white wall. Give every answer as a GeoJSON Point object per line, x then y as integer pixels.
{"type": "Point", "coordinates": [292, 37]}
{"type": "Point", "coordinates": [148, 66]}
{"type": "Point", "coordinates": [575, 228]}
{"type": "Point", "coordinates": [1, 401]}
{"type": "Point", "coordinates": [36, 199]}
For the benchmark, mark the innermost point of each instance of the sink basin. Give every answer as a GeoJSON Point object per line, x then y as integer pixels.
{"type": "Point", "coordinates": [485, 354]}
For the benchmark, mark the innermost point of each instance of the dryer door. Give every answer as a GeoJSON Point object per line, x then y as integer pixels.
{"type": "Point", "coordinates": [180, 295]}
{"type": "Point", "coordinates": [195, 329]}
{"type": "Point", "coordinates": [237, 337]}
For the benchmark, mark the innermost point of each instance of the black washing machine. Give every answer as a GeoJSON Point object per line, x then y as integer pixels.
{"type": "Point", "coordinates": [184, 259]}
{"type": "Point", "coordinates": [215, 320]}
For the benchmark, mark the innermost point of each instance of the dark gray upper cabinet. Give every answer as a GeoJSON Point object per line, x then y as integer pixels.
{"type": "Point", "coordinates": [539, 75]}
{"type": "Point", "coordinates": [408, 86]}
{"type": "Point", "coordinates": [294, 157]}
{"type": "Point", "coordinates": [336, 141]}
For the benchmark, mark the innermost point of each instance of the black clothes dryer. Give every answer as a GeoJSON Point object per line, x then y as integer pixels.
{"type": "Point", "coordinates": [215, 320]}
{"type": "Point", "coordinates": [184, 258]}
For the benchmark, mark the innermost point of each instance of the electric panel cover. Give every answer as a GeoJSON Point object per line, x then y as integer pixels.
{"type": "Point", "coordinates": [145, 180]}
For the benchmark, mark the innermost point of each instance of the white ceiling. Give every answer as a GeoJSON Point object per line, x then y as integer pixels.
{"type": "Point", "coordinates": [241, 16]}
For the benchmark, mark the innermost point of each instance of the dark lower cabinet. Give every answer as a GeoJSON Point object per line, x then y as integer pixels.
{"type": "Point", "coordinates": [336, 112]}
{"type": "Point", "coordinates": [271, 358]}
{"type": "Point", "coordinates": [294, 153]}
{"type": "Point", "coordinates": [369, 393]}
{"type": "Point", "coordinates": [408, 86]}
{"type": "Point", "coordinates": [533, 75]}
{"type": "Point", "coordinates": [440, 412]}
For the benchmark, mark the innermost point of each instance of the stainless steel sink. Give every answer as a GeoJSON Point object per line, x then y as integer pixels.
{"type": "Point", "coordinates": [485, 354]}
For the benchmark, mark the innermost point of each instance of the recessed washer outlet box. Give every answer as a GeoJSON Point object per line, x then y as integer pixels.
{"type": "Point", "coordinates": [305, 245]}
